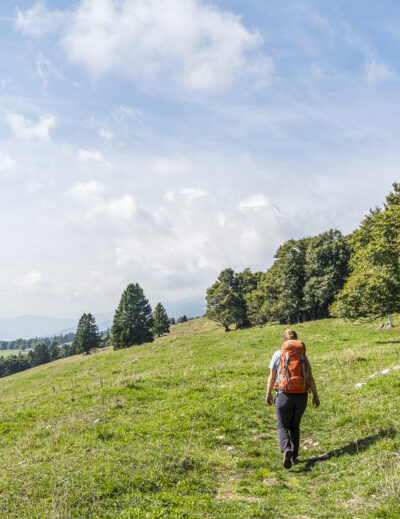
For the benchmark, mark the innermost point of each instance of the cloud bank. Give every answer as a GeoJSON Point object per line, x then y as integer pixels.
{"type": "Point", "coordinates": [195, 45]}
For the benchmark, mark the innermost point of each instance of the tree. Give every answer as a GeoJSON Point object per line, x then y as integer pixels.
{"type": "Point", "coordinates": [326, 270]}
{"type": "Point", "coordinates": [182, 319]}
{"type": "Point", "coordinates": [373, 287]}
{"type": "Point", "coordinates": [227, 298]}
{"type": "Point", "coordinates": [39, 355]}
{"type": "Point", "coordinates": [87, 336]}
{"type": "Point", "coordinates": [302, 282]}
{"type": "Point", "coordinates": [222, 299]}
{"type": "Point", "coordinates": [54, 351]}
{"type": "Point", "coordinates": [161, 320]}
{"type": "Point", "coordinates": [132, 320]}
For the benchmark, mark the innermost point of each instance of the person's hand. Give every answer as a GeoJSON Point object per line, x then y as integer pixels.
{"type": "Point", "coordinates": [269, 399]}
{"type": "Point", "coordinates": [315, 401]}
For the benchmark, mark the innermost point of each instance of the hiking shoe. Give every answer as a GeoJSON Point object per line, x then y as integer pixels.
{"type": "Point", "coordinates": [287, 459]}
{"type": "Point", "coordinates": [295, 461]}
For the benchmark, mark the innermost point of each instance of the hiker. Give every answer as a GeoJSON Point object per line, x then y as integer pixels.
{"type": "Point", "coordinates": [291, 377]}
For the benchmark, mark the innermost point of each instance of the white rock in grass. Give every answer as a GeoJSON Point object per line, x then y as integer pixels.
{"type": "Point", "coordinates": [97, 420]}
{"type": "Point", "coordinates": [373, 375]}
{"type": "Point", "coordinates": [384, 371]}
{"type": "Point", "coordinates": [48, 427]}
{"type": "Point", "coordinates": [360, 384]}
{"type": "Point", "coordinates": [220, 437]}
{"type": "Point", "coordinates": [229, 449]}
{"type": "Point", "coordinates": [396, 367]}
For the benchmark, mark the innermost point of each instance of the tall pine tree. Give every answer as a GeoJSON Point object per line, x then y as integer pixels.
{"type": "Point", "coordinates": [87, 335]}
{"type": "Point", "coordinates": [161, 320]}
{"type": "Point", "coordinates": [133, 319]}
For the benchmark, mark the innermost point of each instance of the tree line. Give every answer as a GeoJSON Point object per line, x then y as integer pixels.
{"type": "Point", "coordinates": [40, 354]}
{"type": "Point", "coordinates": [354, 276]}
{"type": "Point", "coordinates": [134, 323]}
{"type": "Point", "coordinates": [28, 344]}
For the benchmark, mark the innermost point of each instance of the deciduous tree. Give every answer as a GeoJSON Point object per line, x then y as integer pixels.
{"type": "Point", "coordinates": [373, 287]}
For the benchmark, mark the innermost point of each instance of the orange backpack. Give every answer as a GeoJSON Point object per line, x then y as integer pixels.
{"type": "Point", "coordinates": [294, 370]}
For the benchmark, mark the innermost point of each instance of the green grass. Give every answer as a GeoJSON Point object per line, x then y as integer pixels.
{"type": "Point", "coordinates": [144, 432]}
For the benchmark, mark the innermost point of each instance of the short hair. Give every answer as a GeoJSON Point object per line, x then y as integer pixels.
{"type": "Point", "coordinates": [289, 335]}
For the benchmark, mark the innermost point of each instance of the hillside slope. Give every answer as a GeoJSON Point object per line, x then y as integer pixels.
{"type": "Point", "coordinates": [144, 432]}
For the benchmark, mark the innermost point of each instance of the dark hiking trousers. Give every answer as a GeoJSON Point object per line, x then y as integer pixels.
{"type": "Point", "coordinates": [289, 410]}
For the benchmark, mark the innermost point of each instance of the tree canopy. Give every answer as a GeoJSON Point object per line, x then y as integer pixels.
{"type": "Point", "coordinates": [87, 336]}
{"type": "Point", "coordinates": [373, 287]}
{"type": "Point", "coordinates": [161, 320]}
{"type": "Point", "coordinates": [226, 298]}
{"type": "Point", "coordinates": [300, 285]}
{"type": "Point", "coordinates": [133, 321]}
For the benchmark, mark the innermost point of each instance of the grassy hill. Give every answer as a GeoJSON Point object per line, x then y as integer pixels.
{"type": "Point", "coordinates": [180, 429]}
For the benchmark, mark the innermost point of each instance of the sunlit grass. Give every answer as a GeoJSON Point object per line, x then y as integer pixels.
{"type": "Point", "coordinates": [179, 429]}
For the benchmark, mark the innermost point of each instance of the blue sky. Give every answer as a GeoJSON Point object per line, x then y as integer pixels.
{"type": "Point", "coordinates": [160, 141]}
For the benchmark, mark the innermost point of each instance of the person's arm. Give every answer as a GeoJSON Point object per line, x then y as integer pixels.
{"type": "Point", "coordinates": [313, 388]}
{"type": "Point", "coordinates": [271, 382]}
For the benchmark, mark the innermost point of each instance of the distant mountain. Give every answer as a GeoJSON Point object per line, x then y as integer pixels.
{"type": "Point", "coordinates": [29, 326]}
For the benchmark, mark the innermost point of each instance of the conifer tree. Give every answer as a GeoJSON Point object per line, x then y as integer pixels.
{"type": "Point", "coordinates": [54, 351]}
{"type": "Point", "coordinates": [161, 320]}
{"type": "Point", "coordinates": [87, 335]}
{"type": "Point", "coordinates": [132, 320]}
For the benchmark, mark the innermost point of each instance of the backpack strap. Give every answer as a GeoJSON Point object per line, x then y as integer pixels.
{"type": "Point", "coordinates": [287, 371]}
{"type": "Point", "coordinates": [303, 364]}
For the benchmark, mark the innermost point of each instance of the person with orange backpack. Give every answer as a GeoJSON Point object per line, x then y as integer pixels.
{"type": "Point", "coordinates": [292, 378]}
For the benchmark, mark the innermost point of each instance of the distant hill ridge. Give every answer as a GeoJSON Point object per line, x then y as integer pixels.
{"type": "Point", "coordinates": [28, 326]}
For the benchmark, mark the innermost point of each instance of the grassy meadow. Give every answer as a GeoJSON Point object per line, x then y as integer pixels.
{"type": "Point", "coordinates": [180, 429]}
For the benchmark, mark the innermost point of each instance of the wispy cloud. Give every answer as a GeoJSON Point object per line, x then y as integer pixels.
{"type": "Point", "coordinates": [45, 70]}
{"type": "Point", "coordinates": [39, 21]}
{"type": "Point", "coordinates": [26, 129]}
{"type": "Point", "coordinates": [375, 72]}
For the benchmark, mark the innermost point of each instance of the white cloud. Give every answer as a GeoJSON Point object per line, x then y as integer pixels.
{"type": "Point", "coordinates": [88, 191]}
{"type": "Point", "coordinates": [27, 129]}
{"type": "Point", "coordinates": [171, 166]}
{"type": "Point", "coordinates": [115, 211]}
{"type": "Point", "coordinates": [126, 112]}
{"type": "Point", "coordinates": [254, 202]}
{"type": "Point", "coordinates": [86, 155]}
{"type": "Point", "coordinates": [192, 43]}
{"type": "Point", "coordinates": [7, 163]}
{"type": "Point", "coordinates": [30, 281]}
{"type": "Point", "coordinates": [189, 193]}
{"type": "Point", "coordinates": [105, 134]}
{"type": "Point", "coordinates": [192, 193]}
{"type": "Point", "coordinates": [34, 282]}
{"type": "Point", "coordinates": [375, 72]}
{"type": "Point", "coordinates": [38, 20]}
